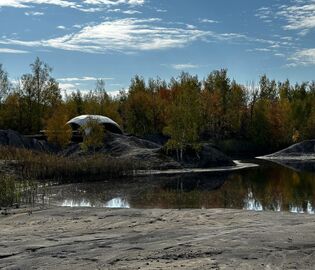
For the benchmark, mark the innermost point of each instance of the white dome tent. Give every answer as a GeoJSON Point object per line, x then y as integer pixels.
{"type": "Point", "coordinates": [108, 123]}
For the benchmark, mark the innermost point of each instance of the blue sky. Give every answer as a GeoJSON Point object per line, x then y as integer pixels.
{"type": "Point", "coordinates": [116, 39]}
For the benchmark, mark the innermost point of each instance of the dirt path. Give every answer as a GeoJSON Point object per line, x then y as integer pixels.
{"type": "Point", "coordinates": [69, 238]}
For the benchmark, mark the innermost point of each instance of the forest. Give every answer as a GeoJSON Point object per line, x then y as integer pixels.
{"type": "Point", "coordinates": [186, 109]}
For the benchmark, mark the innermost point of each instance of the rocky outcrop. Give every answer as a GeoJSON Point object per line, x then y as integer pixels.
{"type": "Point", "coordinates": [145, 154]}
{"type": "Point", "coordinates": [151, 155]}
{"type": "Point", "coordinates": [301, 151]}
{"type": "Point", "coordinates": [142, 152]}
{"type": "Point", "coordinates": [15, 139]}
{"type": "Point", "coordinates": [207, 157]}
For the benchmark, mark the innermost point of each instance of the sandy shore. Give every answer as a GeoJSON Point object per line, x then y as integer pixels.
{"type": "Point", "coordinates": [69, 238]}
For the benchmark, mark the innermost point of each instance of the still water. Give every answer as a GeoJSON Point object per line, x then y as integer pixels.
{"type": "Point", "coordinates": [269, 187]}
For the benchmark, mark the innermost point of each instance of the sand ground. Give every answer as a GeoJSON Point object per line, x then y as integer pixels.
{"type": "Point", "coordinates": [89, 238]}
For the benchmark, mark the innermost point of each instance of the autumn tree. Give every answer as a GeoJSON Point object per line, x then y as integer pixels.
{"type": "Point", "coordinates": [184, 118]}
{"type": "Point", "coordinates": [38, 89]}
{"type": "Point", "coordinates": [93, 134]}
{"type": "Point", "coordinates": [4, 84]}
{"type": "Point", "coordinates": [57, 131]}
{"type": "Point", "coordinates": [136, 110]}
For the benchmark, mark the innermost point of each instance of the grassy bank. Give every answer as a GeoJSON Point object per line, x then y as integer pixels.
{"type": "Point", "coordinates": [14, 191]}
{"type": "Point", "coordinates": [42, 166]}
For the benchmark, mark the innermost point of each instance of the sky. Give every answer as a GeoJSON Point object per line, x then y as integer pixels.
{"type": "Point", "coordinates": [114, 40]}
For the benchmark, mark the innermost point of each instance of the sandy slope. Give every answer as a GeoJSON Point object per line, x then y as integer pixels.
{"type": "Point", "coordinates": [68, 238]}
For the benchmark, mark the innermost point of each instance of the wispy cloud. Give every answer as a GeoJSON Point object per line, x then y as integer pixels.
{"type": "Point", "coordinates": [67, 86]}
{"type": "Point", "coordinates": [207, 21]}
{"type": "Point", "coordinates": [131, 12]}
{"type": "Point", "coordinates": [259, 50]}
{"type": "Point", "coordinates": [29, 3]}
{"type": "Point", "coordinates": [61, 27]}
{"type": "Point", "coordinates": [120, 35]}
{"type": "Point", "coordinates": [114, 2]}
{"type": "Point", "coordinates": [118, 10]}
{"type": "Point", "coordinates": [34, 13]}
{"type": "Point", "coordinates": [85, 78]}
{"type": "Point", "coordinates": [83, 5]}
{"type": "Point", "coordinates": [300, 16]}
{"type": "Point", "coordinates": [184, 66]}
{"type": "Point", "coordinates": [296, 15]}
{"type": "Point", "coordinates": [303, 57]}
{"type": "Point", "coordinates": [160, 10]}
{"type": "Point", "coordinates": [129, 35]}
{"type": "Point", "coordinates": [13, 51]}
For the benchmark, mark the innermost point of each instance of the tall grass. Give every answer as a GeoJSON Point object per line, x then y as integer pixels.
{"type": "Point", "coordinates": [43, 166]}
{"type": "Point", "coordinates": [14, 191]}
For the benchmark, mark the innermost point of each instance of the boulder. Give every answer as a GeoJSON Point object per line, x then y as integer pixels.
{"type": "Point", "coordinates": [15, 139]}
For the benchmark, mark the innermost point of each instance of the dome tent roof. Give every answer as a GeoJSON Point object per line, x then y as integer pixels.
{"type": "Point", "coordinates": [81, 120]}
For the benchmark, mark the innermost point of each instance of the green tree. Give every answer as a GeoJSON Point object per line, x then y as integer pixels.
{"type": "Point", "coordinates": [184, 119]}
{"type": "Point", "coordinates": [93, 134]}
{"type": "Point", "coordinates": [38, 89]}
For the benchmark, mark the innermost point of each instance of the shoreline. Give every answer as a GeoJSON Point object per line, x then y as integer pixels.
{"type": "Point", "coordinates": [238, 166]}
{"type": "Point", "coordinates": [100, 238]}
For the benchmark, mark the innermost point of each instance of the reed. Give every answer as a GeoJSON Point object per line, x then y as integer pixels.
{"type": "Point", "coordinates": [43, 166]}
{"type": "Point", "coordinates": [14, 191]}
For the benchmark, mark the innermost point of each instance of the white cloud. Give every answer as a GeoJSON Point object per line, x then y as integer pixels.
{"type": "Point", "coordinates": [29, 3]}
{"type": "Point", "coordinates": [13, 51]}
{"type": "Point", "coordinates": [260, 50]}
{"type": "Point", "coordinates": [184, 66]}
{"type": "Point", "coordinates": [280, 54]}
{"type": "Point", "coordinates": [303, 57]}
{"type": "Point", "coordinates": [161, 10]}
{"type": "Point", "coordinates": [83, 5]}
{"type": "Point", "coordinates": [113, 94]}
{"type": "Point", "coordinates": [131, 12]}
{"type": "Point", "coordinates": [297, 15]}
{"type": "Point", "coordinates": [125, 35]}
{"type": "Point", "coordinates": [207, 21]}
{"type": "Point", "coordinates": [86, 78]}
{"type": "Point", "coordinates": [114, 2]}
{"type": "Point", "coordinates": [67, 86]}
{"type": "Point", "coordinates": [34, 13]}
{"type": "Point", "coordinates": [61, 27]}
{"type": "Point", "coordinates": [78, 26]}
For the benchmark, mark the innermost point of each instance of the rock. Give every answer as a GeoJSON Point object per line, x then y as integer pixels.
{"type": "Point", "coordinates": [151, 155]}
{"type": "Point", "coordinates": [301, 151]}
{"type": "Point", "coordinates": [130, 148]}
{"type": "Point", "coordinates": [206, 157]}
{"type": "Point", "coordinates": [15, 139]}
{"type": "Point", "coordinates": [148, 154]}
{"type": "Point", "coordinates": [297, 165]}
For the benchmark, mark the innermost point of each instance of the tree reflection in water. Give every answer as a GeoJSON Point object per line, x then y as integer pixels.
{"type": "Point", "coordinates": [269, 187]}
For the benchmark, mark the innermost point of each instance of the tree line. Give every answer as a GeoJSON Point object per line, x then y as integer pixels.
{"type": "Point", "coordinates": [186, 109]}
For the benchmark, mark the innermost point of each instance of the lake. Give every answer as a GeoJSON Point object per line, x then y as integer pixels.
{"type": "Point", "coordinates": [268, 187]}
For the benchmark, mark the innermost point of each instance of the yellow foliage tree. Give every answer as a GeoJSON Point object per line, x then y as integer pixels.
{"type": "Point", "coordinates": [56, 130]}
{"type": "Point", "coordinates": [93, 134]}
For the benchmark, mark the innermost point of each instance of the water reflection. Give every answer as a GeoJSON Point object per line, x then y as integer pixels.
{"type": "Point", "coordinates": [298, 165]}
{"type": "Point", "coordinates": [73, 203]}
{"type": "Point", "coordinates": [270, 187]}
{"type": "Point", "coordinates": [113, 203]}
{"type": "Point", "coordinates": [250, 203]}
{"type": "Point", "coordinates": [301, 209]}
{"type": "Point", "coordinates": [117, 203]}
